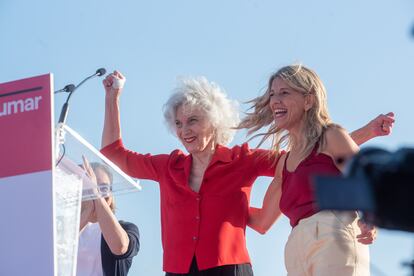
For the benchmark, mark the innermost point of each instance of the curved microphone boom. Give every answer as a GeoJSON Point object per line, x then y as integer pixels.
{"type": "Point", "coordinates": [70, 88]}
{"type": "Point", "coordinates": [100, 72]}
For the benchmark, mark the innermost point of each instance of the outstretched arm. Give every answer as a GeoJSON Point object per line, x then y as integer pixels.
{"type": "Point", "coordinates": [261, 219]}
{"type": "Point", "coordinates": [113, 84]}
{"type": "Point", "coordinates": [380, 126]}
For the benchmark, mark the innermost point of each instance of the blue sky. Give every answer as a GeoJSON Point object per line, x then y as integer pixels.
{"type": "Point", "coordinates": [362, 50]}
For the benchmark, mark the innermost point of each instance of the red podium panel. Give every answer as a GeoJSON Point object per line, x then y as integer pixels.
{"type": "Point", "coordinates": [25, 126]}
{"type": "Point", "coordinates": [26, 177]}
{"type": "Point", "coordinates": [41, 200]}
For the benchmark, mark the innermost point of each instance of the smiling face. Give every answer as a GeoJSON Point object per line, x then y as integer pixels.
{"type": "Point", "coordinates": [288, 105]}
{"type": "Point", "coordinates": [194, 129]}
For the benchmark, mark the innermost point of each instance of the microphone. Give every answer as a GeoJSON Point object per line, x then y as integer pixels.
{"type": "Point", "coordinates": [67, 88]}
{"type": "Point", "coordinates": [100, 72]}
{"type": "Point", "coordinates": [70, 88]}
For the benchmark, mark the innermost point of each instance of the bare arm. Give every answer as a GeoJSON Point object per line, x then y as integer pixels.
{"type": "Point", "coordinates": [115, 236]}
{"type": "Point", "coordinates": [112, 122]}
{"type": "Point", "coordinates": [99, 210]}
{"type": "Point", "coordinates": [380, 126]}
{"type": "Point", "coordinates": [261, 219]}
{"type": "Point", "coordinates": [339, 145]}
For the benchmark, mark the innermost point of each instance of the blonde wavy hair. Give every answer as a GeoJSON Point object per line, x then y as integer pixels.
{"type": "Point", "coordinates": [317, 120]}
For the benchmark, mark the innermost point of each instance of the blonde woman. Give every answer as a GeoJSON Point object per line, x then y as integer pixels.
{"type": "Point", "coordinates": [321, 242]}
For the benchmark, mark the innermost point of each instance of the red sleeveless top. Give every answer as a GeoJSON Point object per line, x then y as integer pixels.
{"type": "Point", "coordinates": [298, 201]}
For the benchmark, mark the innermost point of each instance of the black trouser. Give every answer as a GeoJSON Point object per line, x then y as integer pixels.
{"type": "Point", "coordinates": [225, 270]}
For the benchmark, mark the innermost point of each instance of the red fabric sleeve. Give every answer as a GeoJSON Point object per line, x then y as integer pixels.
{"type": "Point", "coordinates": [264, 161]}
{"type": "Point", "coordinates": [144, 166]}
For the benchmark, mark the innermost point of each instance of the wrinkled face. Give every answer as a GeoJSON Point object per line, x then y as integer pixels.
{"type": "Point", "coordinates": [194, 129]}
{"type": "Point", "coordinates": [288, 105]}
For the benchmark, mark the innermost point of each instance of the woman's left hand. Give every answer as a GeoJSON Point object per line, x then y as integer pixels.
{"type": "Point", "coordinates": [368, 233]}
{"type": "Point", "coordinates": [381, 125]}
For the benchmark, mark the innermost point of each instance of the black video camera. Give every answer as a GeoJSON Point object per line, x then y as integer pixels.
{"type": "Point", "coordinates": [379, 183]}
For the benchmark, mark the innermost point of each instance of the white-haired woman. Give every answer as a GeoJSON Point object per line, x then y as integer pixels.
{"type": "Point", "coordinates": [204, 194]}
{"type": "Point", "coordinates": [321, 242]}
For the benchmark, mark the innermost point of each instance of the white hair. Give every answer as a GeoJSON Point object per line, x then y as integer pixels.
{"type": "Point", "coordinates": [199, 92]}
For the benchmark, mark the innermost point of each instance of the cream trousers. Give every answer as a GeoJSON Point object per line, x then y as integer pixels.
{"type": "Point", "coordinates": [325, 244]}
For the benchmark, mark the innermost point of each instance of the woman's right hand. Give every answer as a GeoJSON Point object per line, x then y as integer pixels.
{"type": "Point", "coordinates": [113, 84]}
